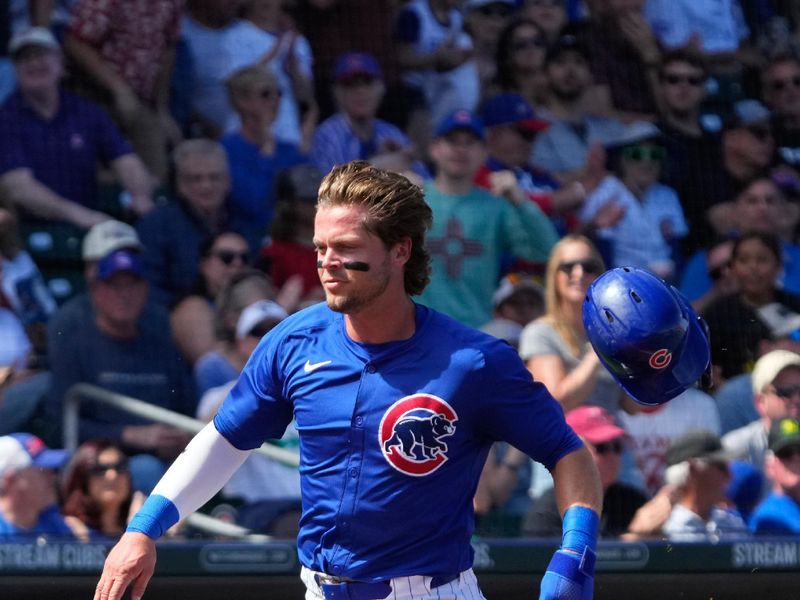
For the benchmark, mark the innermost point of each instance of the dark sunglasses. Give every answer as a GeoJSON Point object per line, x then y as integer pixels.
{"type": "Point", "coordinates": [100, 470]}
{"type": "Point", "coordinates": [526, 43]}
{"type": "Point", "coordinates": [760, 132]}
{"type": "Point", "coordinates": [496, 10]}
{"type": "Point", "coordinates": [590, 266]}
{"type": "Point", "coordinates": [606, 447]}
{"type": "Point", "coordinates": [787, 392]}
{"type": "Point", "coordinates": [227, 258]}
{"type": "Point", "coordinates": [779, 85]}
{"type": "Point", "coordinates": [269, 93]}
{"type": "Point", "coordinates": [674, 79]}
{"type": "Point", "coordinates": [788, 453]}
{"type": "Point", "coordinates": [643, 153]}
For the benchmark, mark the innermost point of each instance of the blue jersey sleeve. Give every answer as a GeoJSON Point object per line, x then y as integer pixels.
{"type": "Point", "coordinates": [521, 411]}
{"type": "Point", "coordinates": [256, 408]}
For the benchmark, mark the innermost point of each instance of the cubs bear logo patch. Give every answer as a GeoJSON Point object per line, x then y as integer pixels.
{"type": "Point", "coordinates": [412, 432]}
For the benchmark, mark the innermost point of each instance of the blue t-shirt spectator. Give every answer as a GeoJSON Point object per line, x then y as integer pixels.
{"type": "Point", "coordinates": [252, 197]}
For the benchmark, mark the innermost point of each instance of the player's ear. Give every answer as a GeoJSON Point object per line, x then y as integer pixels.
{"type": "Point", "coordinates": [401, 251]}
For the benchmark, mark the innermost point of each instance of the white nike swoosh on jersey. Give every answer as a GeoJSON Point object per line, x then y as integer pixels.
{"type": "Point", "coordinates": [308, 367]}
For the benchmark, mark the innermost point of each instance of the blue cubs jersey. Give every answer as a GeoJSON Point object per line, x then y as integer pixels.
{"type": "Point", "coordinates": [393, 437]}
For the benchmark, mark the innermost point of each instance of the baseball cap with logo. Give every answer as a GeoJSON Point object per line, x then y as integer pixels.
{"type": "Point", "coordinates": [595, 424]}
{"type": "Point", "coordinates": [504, 109]}
{"type": "Point", "coordinates": [460, 120]}
{"type": "Point", "coordinates": [769, 366]}
{"type": "Point", "coordinates": [120, 261]}
{"type": "Point", "coordinates": [22, 450]}
{"type": "Point", "coordinates": [35, 36]}
{"type": "Point", "coordinates": [258, 312]}
{"type": "Point", "coordinates": [784, 433]}
{"type": "Point", "coordinates": [108, 236]}
{"type": "Point", "coordinates": [353, 64]}
{"type": "Point", "coordinates": [698, 443]}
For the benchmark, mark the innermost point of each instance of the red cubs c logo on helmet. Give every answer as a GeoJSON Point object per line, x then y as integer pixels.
{"type": "Point", "coordinates": [411, 433]}
{"type": "Point", "coordinates": [660, 358]}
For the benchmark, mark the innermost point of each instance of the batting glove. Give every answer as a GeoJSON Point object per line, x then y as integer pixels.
{"type": "Point", "coordinates": [570, 574]}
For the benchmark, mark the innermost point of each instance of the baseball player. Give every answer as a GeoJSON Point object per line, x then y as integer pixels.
{"type": "Point", "coordinates": [396, 407]}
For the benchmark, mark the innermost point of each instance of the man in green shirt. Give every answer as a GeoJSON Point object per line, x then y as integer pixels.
{"type": "Point", "coordinates": [473, 229]}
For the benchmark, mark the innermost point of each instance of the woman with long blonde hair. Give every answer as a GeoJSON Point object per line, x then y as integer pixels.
{"type": "Point", "coordinates": [555, 347]}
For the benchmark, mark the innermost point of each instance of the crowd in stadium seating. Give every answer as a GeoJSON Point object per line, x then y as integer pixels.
{"type": "Point", "coordinates": [159, 162]}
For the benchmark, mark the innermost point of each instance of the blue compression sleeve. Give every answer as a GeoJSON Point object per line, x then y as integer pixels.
{"type": "Point", "coordinates": [155, 517]}
{"type": "Point", "coordinates": [580, 529]}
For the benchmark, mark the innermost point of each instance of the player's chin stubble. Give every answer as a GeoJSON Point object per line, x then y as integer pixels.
{"type": "Point", "coordinates": [351, 303]}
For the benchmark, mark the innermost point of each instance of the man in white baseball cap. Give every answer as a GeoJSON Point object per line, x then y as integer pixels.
{"type": "Point", "coordinates": [776, 395]}
{"type": "Point", "coordinates": [28, 499]}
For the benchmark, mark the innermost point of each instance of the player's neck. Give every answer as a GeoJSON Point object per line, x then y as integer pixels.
{"type": "Point", "coordinates": [385, 320]}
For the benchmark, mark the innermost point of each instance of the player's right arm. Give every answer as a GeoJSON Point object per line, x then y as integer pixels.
{"type": "Point", "coordinates": [196, 475]}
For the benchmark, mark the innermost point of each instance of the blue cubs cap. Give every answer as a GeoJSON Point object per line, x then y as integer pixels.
{"type": "Point", "coordinates": [353, 64]}
{"type": "Point", "coordinates": [646, 335]}
{"type": "Point", "coordinates": [460, 120]}
{"type": "Point", "coordinates": [119, 261]}
{"type": "Point", "coordinates": [22, 450]}
{"type": "Point", "coordinates": [504, 109]}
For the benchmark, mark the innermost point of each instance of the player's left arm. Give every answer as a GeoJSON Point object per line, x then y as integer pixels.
{"type": "Point", "coordinates": [579, 495]}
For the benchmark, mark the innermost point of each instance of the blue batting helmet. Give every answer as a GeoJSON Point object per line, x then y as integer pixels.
{"type": "Point", "coordinates": [646, 334]}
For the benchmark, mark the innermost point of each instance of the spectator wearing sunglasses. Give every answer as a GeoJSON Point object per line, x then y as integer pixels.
{"type": "Point", "coordinates": [776, 396]}
{"type": "Point", "coordinates": [554, 347]}
{"type": "Point", "coordinates": [606, 441]}
{"type": "Point", "coordinates": [222, 256]}
{"type": "Point", "coordinates": [693, 139]}
{"type": "Point", "coordinates": [520, 56]}
{"type": "Point", "coordinates": [780, 91]}
{"type": "Point", "coordinates": [779, 512]}
{"type": "Point", "coordinates": [484, 20]}
{"type": "Point", "coordinates": [646, 221]}
{"type": "Point", "coordinates": [256, 155]}
{"type": "Point", "coordinates": [99, 498]}
{"type": "Point", "coordinates": [511, 130]}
